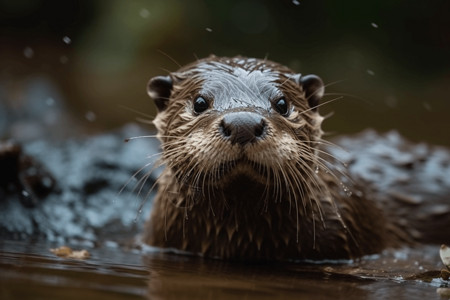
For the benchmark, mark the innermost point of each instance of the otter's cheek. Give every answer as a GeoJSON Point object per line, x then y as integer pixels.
{"type": "Point", "coordinates": [274, 152]}
{"type": "Point", "coordinates": [209, 149]}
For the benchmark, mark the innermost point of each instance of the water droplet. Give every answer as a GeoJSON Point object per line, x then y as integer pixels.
{"type": "Point", "coordinates": [25, 193]}
{"type": "Point", "coordinates": [346, 189]}
{"type": "Point", "coordinates": [28, 52]}
{"type": "Point", "coordinates": [67, 40]}
{"type": "Point", "coordinates": [90, 116]}
{"type": "Point", "coordinates": [144, 13]}
{"type": "Point", "coordinates": [208, 29]}
{"type": "Point", "coordinates": [296, 2]}
{"type": "Point", "coordinates": [317, 170]}
{"type": "Point", "coordinates": [374, 25]}
{"type": "Point", "coordinates": [370, 72]}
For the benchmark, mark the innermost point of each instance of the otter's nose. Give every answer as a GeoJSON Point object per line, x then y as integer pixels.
{"type": "Point", "coordinates": [243, 127]}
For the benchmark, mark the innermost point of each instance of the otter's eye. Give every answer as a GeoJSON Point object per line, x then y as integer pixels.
{"type": "Point", "coordinates": [200, 105]}
{"type": "Point", "coordinates": [281, 106]}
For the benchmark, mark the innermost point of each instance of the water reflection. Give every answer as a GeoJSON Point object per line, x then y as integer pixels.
{"type": "Point", "coordinates": [128, 273]}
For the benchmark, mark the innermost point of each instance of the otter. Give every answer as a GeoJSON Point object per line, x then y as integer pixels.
{"type": "Point", "coordinates": [247, 174]}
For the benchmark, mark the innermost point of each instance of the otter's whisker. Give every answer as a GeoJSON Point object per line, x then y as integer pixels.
{"type": "Point", "coordinates": [169, 57]}
{"type": "Point", "coordinates": [134, 177]}
{"type": "Point", "coordinates": [322, 104]}
{"type": "Point", "coordinates": [350, 96]}
{"type": "Point", "coordinates": [137, 112]}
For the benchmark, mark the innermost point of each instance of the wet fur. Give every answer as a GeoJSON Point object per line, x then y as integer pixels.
{"type": "Point", "coordinates": [279, 198]}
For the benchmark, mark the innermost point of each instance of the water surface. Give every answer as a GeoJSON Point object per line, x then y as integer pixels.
{"type": "Point", "coordinates": [30, 270]}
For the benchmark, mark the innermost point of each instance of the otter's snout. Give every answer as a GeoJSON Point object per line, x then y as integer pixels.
{"type": "Point", "coordinates": [243, 127]}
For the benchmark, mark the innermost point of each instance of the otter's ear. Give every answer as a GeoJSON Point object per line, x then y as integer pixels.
{"type": "Point", "coordinates": [312, 86]}
{"type": "Point", "coordinates": [314, 89]}
{"type": "Point", "coordinates": [159, 89]}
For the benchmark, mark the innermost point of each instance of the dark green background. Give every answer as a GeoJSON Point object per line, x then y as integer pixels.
{"type": "Point", "coordinates": [390, 58]}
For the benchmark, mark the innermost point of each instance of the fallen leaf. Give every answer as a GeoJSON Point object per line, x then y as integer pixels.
{"type": "Point", "coordinates": [67, 252]}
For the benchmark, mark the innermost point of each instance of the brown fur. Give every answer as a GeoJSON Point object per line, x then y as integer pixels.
{"type": "Point", "coordinates": [277, 198]}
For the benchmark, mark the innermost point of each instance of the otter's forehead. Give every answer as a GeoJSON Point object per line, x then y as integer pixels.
{"type": "Point", "coordinates": [237, 85]}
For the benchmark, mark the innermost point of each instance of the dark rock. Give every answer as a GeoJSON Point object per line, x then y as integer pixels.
{"type": "Point", "coordinates": [84, 188]}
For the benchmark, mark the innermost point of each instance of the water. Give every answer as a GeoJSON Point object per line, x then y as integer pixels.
{"type": "Point", "coordinates": [67, 40]}
{"type": "Point", "coordinates": [30, 270]}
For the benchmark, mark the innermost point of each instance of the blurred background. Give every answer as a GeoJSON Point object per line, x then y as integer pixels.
{"type": "Point", "coordinates": [82, 66]}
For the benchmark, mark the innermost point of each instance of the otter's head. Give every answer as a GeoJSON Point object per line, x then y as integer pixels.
{"type": "Point", "coordinates": [223, 119]}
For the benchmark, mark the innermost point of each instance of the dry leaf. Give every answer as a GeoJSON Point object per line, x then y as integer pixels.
{"type": "Point", "coordinates": [67, 252]}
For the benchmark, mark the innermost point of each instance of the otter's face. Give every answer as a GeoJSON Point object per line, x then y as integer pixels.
{"type": "Point", "coordinates": [222, 119]}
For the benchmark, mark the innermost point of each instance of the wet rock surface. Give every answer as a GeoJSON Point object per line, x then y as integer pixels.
{"type": "Point", "coordinates": [71, 190]}
{"type": "Point", "coordinates": [410, 181]}
{"type": "Point", "coordinates": [23, 175]}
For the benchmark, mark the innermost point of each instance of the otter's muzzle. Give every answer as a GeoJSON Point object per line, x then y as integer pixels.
{"type": "Point", "coordinates": [243, 127]}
